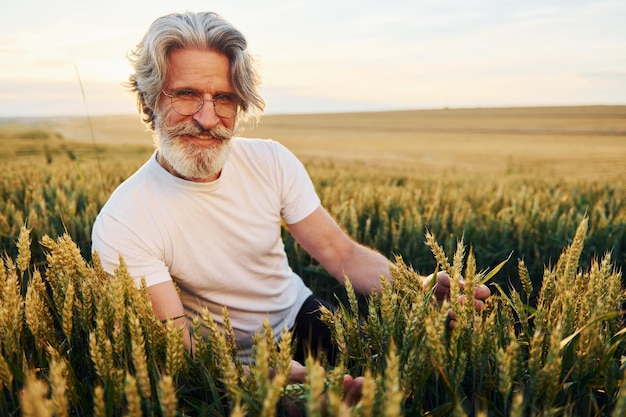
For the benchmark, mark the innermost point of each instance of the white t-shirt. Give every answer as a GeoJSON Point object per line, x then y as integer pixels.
{"type": "Point", "coordinates": [219, 241]}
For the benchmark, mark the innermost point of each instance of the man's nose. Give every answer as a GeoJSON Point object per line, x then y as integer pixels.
{"type": "Point", "coordinates": [206, 117]}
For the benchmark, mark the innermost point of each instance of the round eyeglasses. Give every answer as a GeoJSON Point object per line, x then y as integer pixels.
{"type": "Point", "coordinates": [187, 103]}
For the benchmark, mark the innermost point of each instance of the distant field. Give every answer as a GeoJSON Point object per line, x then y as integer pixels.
{"type": "Point", "coordinates": [567, 142]}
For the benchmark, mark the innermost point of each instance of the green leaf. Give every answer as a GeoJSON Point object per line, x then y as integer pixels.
{"type": "Point", "coordinates": [495, 270]}
{"type": "Point", "coordinates": [607, 316]}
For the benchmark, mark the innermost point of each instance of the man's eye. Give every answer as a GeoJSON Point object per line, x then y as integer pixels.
{"type": "Point", "coordinates": [185, 94]}
{"type": "Point", "coordinates": [225, 98]}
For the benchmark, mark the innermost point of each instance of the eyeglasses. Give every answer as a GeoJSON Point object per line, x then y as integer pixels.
{"type": "Point", "coordinates": [187, 103]}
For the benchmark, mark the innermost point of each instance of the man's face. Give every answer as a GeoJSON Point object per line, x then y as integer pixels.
{"type": "Point", "coordinates": [196, 146]}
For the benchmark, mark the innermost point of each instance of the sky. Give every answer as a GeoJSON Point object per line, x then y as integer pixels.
{"type": "Point", "coordinates": [66, 57]}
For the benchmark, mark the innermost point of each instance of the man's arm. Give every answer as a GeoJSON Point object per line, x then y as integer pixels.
{"type": "Point", "coordinates": [320, 235]}
{"type": "Point", "coordinates": [340, 255]}
{"type": "Point", "coordinates": [167, 305]}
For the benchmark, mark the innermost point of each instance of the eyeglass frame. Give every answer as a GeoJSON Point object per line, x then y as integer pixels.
{"type": "Point", "coordinates": [201, 101]}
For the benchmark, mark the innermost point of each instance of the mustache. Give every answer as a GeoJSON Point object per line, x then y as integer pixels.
{"type": "Point", "coordinates": [193, 129]}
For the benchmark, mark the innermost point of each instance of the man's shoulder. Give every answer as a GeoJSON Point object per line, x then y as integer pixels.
{"type": "Point", "coordinates": [255, 143]}
{"type": "Point", "coordinates": [138, 183]}
{"type": "Point", "coordinates": [256, 146]}
{"type": "Point", "coordinates": [142, 174]}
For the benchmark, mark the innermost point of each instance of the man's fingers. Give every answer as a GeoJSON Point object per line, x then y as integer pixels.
{"type": "Point", "coordinates": [352, 389]}
{"type": "Point", "coordinates": [443, 279]}
{"type": "Point", "coordinates": [297, 372]}
{"type": "Point", "coordinates": [478, 304]}
{"type": "Point", "coordinates": [451, 319]}
{"type": "Point", "coordinates": [482, 292]}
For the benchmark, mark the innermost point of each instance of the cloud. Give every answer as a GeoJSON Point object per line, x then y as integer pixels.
{"type": "Point", "coordinates": [65, 98]}
{"type": "Point", "coordinates": [347, 55]}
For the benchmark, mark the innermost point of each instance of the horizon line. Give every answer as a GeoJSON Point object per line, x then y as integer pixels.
{"type": "Point", "coordinates": [305, 113]}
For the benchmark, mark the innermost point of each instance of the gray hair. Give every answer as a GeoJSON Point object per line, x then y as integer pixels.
{"type": "Point", "coordinates": [204, 30]}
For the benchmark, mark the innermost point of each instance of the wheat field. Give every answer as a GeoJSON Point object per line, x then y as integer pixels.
{"type": "Point", "coordinates": [530, 200]}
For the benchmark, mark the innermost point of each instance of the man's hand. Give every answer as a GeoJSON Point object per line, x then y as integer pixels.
{"type": "Point", "coordinates": [352, 387]}
{"type": "Point", "coordinates": [297, 373]}
{"type": "Point", "coordinates": [442, 292]}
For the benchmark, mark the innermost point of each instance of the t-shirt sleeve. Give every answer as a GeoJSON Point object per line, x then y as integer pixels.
{"type": "Point", "coordinates": [139, 257]}
{"type": "Point", "coordinates": [299, 198]}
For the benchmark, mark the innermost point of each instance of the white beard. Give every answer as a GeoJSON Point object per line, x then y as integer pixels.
{"type": "Point", "coordinates": [188, 160]}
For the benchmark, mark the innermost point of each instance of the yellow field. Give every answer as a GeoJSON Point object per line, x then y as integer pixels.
{"type": "Point", "coordinates": [581, 141]}
{"type": "Point", "coordinates": [469, 191]}
{"type": "Point", "coordinates": [568, 142]}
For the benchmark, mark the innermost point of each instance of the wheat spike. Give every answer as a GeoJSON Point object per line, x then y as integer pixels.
{"type": "Point", "coordinates": [334, 392]}
{"type": "Point", "coordinates": [468, 311]}
{"type": "Point", "coordinates": [517, 405]}
{"type": "Point", "coordinates": [229, 333]}
{"type": "Point", "coordinates": [435, 337]}
{"type": "Point", "coordinates": [6, 376]}
{"type": "Point", "coordinates": [167, 396]}
{"type": "Point", "coordinates": [572, 254]}
{"type": "Point", "coordinates": [438, 251]}
{"type": "Point", "coordinates": [278, 382]}
{"type": "Point", "coordinates": [23, 247]}
{"type": "Point", "coordinates": [101, 352]}
{"type": "Point", "coordinates": [373, 326]}
{"type": "Point", "coordinates": [86, 312]}
{"type": "Point", "coordinates": [133, 399]}
{"type": "Point", "coordinates": [455, 286]}
{"type": "Point", "coordinates": [100, 277]}
{"type": "Point", "coordinates": [11, 313]}
{"type": "Point", "coordinates": [175, 349]}
{"type": "Point", "coordinates": [202, 350]}
{"type": "Point", "coordinates": [138, 353]}
{"type": "Point", "coordinates": [99, 404]}
{"type": "Point", "coordinates": [239, 410]}
{"type": "Point", "coordinates": [119, 336]}
{"type": "Point", "coordinates": [550, 374]}
{"type": "Point", "coordinates": [507, 360]}
{"type": "Point", "coordinates": [368, 400]}
{"type": "Point", "coordinates": [36, 312]}
{"type": "Point", "coordinates": [273, 392]}
{"type": "Point", "coordinates": [222, 360]}
{"type": "Point", "coordinates": [349, 333]}
{"type": "Point", "coordinates": [315, 382]}
{"type": "Point", "coordinates": [155, 332]}
{"type": "Point", "coordinates": [268, 335]}
{"type": "Point", "coordinates": [527, 284]}
{"type": "Point", "coordinates": [58, 383]}
{"type": "Point", "coordinates": [388, 308]}
{"type": "Point", "coordinates": [341, 338]}
{"type": "Point", "coordinates": [262, 370]}
{"type": "Point", "coordinates": [34, 398]}
{"type": "Point", "coordinates": [68, 311]}
{"type": "Point", "coordinates": [392, 402]}
{"type": "Point", "coordinates": [3, 277]}
{"type": "Point", "coordinates": [470, 267]}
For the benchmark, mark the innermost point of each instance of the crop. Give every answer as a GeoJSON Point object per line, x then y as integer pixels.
{"type": "Point", "coordinates": [550, 340]}
{"type": "Point", "coordinates": [76, 343]}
